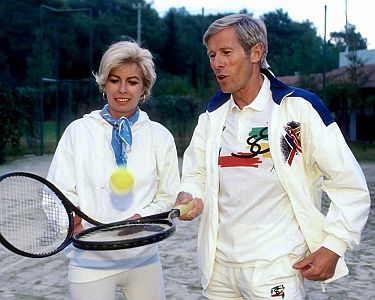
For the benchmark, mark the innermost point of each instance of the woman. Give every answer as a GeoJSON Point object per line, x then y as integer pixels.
{"type": "Point", "coordinates": [90, 149]}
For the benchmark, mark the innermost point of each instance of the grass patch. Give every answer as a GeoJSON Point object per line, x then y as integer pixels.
{"type": "Point", "coordinates": [32, 146]}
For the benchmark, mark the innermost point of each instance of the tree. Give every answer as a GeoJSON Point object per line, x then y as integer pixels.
{"type": "Point", "coordinates": [346, 96]}
{"type": "Point", "coordinates": [293, 47]}
{"type": "Point", "coordinates": [349, 40]}
{"type": "Point", "coordinates": [16, 117]}
{"type": "Point", "coordinates": [175, 40]}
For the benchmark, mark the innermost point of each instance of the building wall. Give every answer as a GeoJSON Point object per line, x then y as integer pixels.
{"type": "Point", "coordinates": [366, 56]}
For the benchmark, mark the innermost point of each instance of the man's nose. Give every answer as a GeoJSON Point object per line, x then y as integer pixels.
{"type": "Point", "coordinates": [217, 62]}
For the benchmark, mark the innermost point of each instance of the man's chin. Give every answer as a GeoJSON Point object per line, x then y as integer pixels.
{"type": "Point", "coordinates": [225, 89]}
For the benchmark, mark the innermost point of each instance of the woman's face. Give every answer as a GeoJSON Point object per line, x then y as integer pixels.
{"type": "Point", "coordinates": [124, 88]}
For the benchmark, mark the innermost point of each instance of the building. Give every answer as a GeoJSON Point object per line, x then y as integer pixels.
{"type": "Point", "coordinates": [361, 121]}
{"type": "Point", "coordinates": [366, 56]}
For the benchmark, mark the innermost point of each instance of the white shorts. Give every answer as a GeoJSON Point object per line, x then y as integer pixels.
{"type": "Point", "coordinates": [278, 281]}
{"type": "Point", "coordinates": [145, 282]}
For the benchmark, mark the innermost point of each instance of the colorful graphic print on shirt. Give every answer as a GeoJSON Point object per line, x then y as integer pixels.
{"type": "Point", "coordinates": [278, 291]}
{"type": "Point", "coordinates": [290, 142]}
{"type": "Point", "coordinates": [257, 143]}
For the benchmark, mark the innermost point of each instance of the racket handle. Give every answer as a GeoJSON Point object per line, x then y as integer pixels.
{"type": "Point", "coordinates": [185, 207]}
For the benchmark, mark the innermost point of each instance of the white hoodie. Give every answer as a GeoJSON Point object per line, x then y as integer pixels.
{"type": "Point", "coordinates": [81, 168]}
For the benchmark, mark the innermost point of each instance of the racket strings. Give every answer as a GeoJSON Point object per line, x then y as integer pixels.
{"type": "Point", "coordinates": [32, 218]}
{"type": "Point", "coordinates": [125, 232]}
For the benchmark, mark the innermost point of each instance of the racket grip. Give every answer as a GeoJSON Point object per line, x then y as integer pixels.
{"type": "Point", "coordinates": [185, 207]}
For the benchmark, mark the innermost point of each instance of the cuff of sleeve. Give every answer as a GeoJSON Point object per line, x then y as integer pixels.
{"type": "Point", "coordinates": [196, 193]}
{"type": "Point", "coordinates": [334, 244]}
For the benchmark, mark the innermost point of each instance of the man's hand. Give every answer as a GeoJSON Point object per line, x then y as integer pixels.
{"type": "Point", "coordinates": [319, 265]}
{"type": "Point", "coordinates": [195, 211]}
{"type": "Point", "coordinates": [77, 223]}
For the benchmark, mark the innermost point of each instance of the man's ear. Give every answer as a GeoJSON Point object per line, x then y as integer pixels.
{"type": "Point", "coordinates": [256, 53]}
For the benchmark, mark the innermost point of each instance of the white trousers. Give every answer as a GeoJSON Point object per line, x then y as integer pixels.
{"type": "Point", "coordinates": [278, 281]}
{"type": "Point", "coordinates": [144, 282]}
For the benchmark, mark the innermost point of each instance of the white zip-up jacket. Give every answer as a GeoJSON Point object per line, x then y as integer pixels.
{"type": "Point", "coordinates": [310, 155]}
{"type": "Point", "coordinates": [81, 168]}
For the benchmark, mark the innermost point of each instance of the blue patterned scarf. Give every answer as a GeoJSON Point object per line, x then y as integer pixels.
{"type": "Point", "coordinates": [121, 134]}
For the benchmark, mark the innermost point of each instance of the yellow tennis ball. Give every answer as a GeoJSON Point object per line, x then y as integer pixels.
{"type": "Point", "coordinates": [121, 180]}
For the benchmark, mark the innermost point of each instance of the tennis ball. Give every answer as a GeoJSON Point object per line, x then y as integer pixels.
{"type": "Point", "coordinates": [121, 180]}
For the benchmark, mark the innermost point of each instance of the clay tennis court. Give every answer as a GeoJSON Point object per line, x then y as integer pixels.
{"type": "Point", "coordinates": [37, 279]}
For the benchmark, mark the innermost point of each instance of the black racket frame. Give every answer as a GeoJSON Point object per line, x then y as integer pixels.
{"type": "Point", "coordinates": [162, 218]}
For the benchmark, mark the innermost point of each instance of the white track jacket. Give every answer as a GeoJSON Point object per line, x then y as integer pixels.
{"type": "Point", "coordinates": [310, 156]}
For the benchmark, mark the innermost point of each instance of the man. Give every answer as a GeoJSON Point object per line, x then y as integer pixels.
{"type": "Point", "coordinates": [259, 159]}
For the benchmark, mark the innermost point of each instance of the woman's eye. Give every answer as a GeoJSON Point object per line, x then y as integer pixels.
{"type": "Point", "coordinates": [113, 80]}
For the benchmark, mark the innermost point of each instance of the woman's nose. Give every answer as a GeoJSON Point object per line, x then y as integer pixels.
{"type": "Point", "coordinates": [123, 87]}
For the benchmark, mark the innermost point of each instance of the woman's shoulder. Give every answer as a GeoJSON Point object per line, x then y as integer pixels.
{"type": "Point", "coordinates": [89, 120]}
{"type": "Point", "coordinates": [156, 126]}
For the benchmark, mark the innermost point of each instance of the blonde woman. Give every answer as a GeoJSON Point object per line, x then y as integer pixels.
{"type": "Point", "coordinates": [90, 149]}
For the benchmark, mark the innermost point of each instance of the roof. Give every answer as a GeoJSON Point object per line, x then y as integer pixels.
{"type": "Point", "coordinates": [339, 74]}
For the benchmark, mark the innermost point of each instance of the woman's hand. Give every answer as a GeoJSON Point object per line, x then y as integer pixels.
{"type": "Point", "coordinates": [134, 217]}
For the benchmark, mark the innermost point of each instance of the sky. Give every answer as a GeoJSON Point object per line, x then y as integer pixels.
{"type": "Point", "coordinates": [358, 12]}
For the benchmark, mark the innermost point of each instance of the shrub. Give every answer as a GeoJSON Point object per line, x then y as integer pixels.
{"type": "Point", "coordinates": [16, 118]}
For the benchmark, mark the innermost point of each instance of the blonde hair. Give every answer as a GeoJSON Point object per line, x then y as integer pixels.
{"type": "Point", "coordinates": [124, 52]}
{"type": "Point", "coordinates": [249, 31]}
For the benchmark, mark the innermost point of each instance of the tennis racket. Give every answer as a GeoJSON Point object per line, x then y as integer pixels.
{"type": "Point", "coordinates": [36, 220]}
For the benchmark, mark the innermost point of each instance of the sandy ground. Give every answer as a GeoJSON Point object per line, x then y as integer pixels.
{"type": "Point", "coordinates": [26, 278]}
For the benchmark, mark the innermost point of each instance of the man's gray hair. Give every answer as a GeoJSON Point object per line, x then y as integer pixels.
{"type": "Point", "coordinates": [249, 31]}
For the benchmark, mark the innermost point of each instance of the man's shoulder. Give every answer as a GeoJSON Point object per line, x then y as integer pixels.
{"type": "Point", "coordinates": [217, 100]}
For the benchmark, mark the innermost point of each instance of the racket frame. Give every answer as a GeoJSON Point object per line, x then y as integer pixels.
{"type": "Point", "coordinates": [161, 218]}
{"type": "Point", "coordinates": [165, 218]}
{"type": "Point", "coordinates": [69, 208]}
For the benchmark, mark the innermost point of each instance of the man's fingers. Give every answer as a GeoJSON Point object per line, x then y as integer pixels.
{"type": "Point", "coordinates": [183, 197]}
{"type": "Point", "coordinates": [303, 264]}
{"type": "Point", "coordinates": [195, 211]}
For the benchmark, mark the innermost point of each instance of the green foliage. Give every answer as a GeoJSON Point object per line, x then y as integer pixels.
{"type": "Point", "coordinates": [177, 113]}
{"type": "Point", "coordinates": [363, 151]}
{"type": "Point", "coordinates": [175, 40]}
{"type": "Point", "coordinates": [172, 85]}
{"type": "Point", "coordinates": [346, 96]}
{"type": "Point", "coordinates": [349, 39]}
{"type": "Point", "coordinates": [293, 47]}
{"type": "Point", "coordinates": [16, 119]}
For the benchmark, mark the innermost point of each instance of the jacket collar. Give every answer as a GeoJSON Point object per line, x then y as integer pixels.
{"type": "Point", "coordinates": [278, 89]}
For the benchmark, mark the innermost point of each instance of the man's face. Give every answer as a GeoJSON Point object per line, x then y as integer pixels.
{"type": "Point", "coordinates": [231, 65]}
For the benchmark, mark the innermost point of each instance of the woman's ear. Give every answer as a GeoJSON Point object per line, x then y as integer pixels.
{"type": "Point", "coordinates": [256, 53]}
